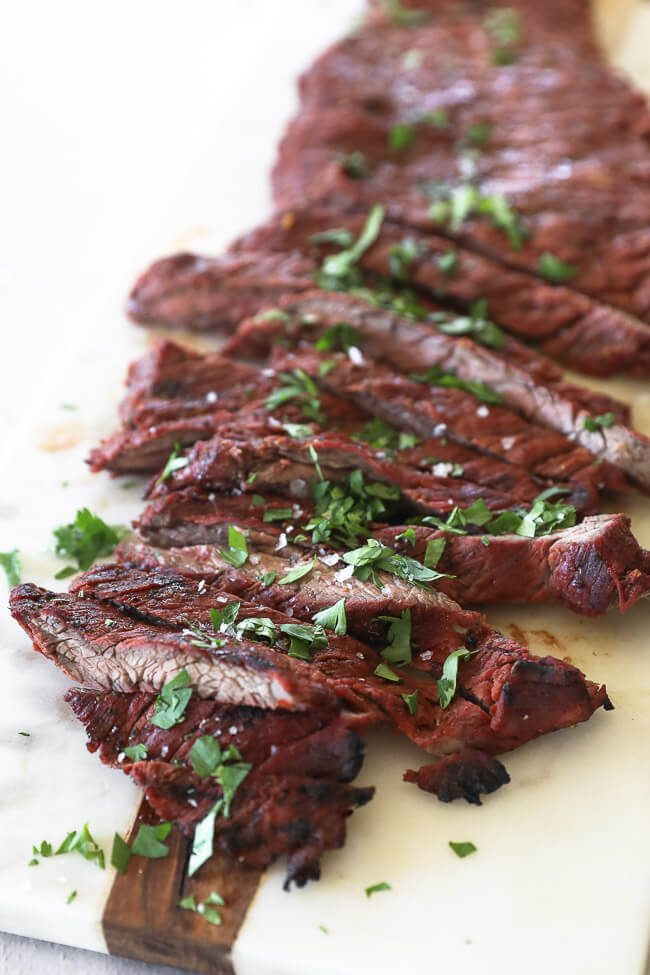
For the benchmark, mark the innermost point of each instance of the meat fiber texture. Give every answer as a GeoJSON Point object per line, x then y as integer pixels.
{"type": "Point", "coordinates": [475, 100]}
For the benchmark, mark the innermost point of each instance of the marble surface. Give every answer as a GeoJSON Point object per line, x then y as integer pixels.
{"type": "Point", "coordinates": [135, 129]}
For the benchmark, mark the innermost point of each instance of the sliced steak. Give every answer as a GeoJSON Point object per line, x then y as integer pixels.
{"type": "Point", "coordinates": [591, 213]}
{"type": "Point", "coordinates": [589, 567]}
{"type": "Point", "coordinates": [292, 756]}
{"type": "Point", "coordinates": [105, 649]}
{"type": "Point", "coordinates": [438, 622]}
{"type": "Point", "coordinates": [410, 347]}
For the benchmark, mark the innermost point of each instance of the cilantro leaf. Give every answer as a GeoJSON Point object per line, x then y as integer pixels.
{"type": "Point", "coordinates": [298, 572]}
{"type": "Point", "coordinates": [237, 552]}
{"type": "Point", "coordinates": [268, 578]}
{"type": "Point", "coordinates": [340, 265]}
{"type": "Point", "coordinates": [299, 388]}
{"type": "Point", "coordinates": [447, 683]}
{"type": "Point", "coordinates": [383, 670]}
{"type": "Point", "coordinates": [398, 649]}
{"type": "Point", "coordinates": [411, 701]}
{"type": "Point", "coordinates": [602, 422]}
{"type": "Point", "coordinates": [120, 854]}
{"type": "Point", "coordinates": [85, 539]}
{"type": "Point", "coordinates": [555, 270]}
{"type": "Point", "coordinates": [82, 842]}
{"type": "Point", "coordinates": [174, 463]}
{"type": "Point", "coordinates": [149, 841]}
{"type": "Point", "coordinates": [341, 335]}
{"type": "Point", "coordinates": [462, 849]}
{"type": "Point", "coordinates": [299, 431]}
{"type": "Point", "coordinates": [377, 887]}
{"type": "Point", "coordinates": [203, 840]}
{"type": "Point", "coordinates": [355, 166]}
{"type": "Point", "coordinates": [333, 617]}
{"type": "Point", "coordinates": [476, 324]}
{"type": "Point", "coordinates": [170, 705]}
{"type": "Point", "coordinates": [304, 638]}
{"type": "Point", "coordinates": [401, 136]}
{"type": "Point", "coordinates": [205, 755]}
{"type": "Point", "coordinates": [10, 562]}
{"type": "Point", "coordinates": [137, 753]}
{"type": "Point", "coordinates": [435, 548]}
{"type": "Point", "coordinates": [434, 376]}
{"type": "Point", "coordinates": [230, 778]}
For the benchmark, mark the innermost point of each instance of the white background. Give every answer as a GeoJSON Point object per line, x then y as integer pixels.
{"type": "Point", "coordinates": [129, 129]}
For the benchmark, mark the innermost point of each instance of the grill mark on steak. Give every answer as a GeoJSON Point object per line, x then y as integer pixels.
{"type": "Point", "coordinates": [125, 655]}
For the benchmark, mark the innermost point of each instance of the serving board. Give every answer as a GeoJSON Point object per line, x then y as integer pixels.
{"type": "Point", "coordinates": [156, 133]}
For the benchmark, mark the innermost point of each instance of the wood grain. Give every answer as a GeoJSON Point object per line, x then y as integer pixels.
{"type": "Point", "coordinates": [142, 918]}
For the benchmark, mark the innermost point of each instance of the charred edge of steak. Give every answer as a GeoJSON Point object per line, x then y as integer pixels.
{"type": "Point", "coordinates": [468, 775]}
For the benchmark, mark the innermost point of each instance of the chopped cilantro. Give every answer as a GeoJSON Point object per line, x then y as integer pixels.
{"type": "Point", "coordinates": [268, 578]}
{"type": "Point", "coordinates": [78, 840]}
{"type": "Point", "coordinates": [353, 164]}
{"type": "Point", "coordinates": [434, 376]}
{"type": "Point", "coordinates": [477, 324]}
{"type": "Point", "coordinates": [340, 265]}
{"type": "Point", "coordinates": [137, 753]}
{"type": "Point", "coordinates": [373, 556]}
{"type": "Point", "coordinates": [205, 755]}
{"type": "Point", "coordinates": [85, 539]}
{"type": "Point", "coordinates": [237, 552]}
{"type": "Point", "coordinates": [503, 25]}
{"type": "Point", "coordinates": [437, 117]}
{"type": "Point", "coordinates": [203, 839]}
{"type": "Point", "coordinates": [453, 206]}
{"type": "Point", "coordinates": [334, 235]}
{"type": "Point", "coordinates": [447, 683]}
{"type": "Point", "coordinates": [408, 535]}
{"type": "Point", "coordinates": [71, 897]}
{"type": "Point", "coordinates": [170, 705]}
{"type": "Point", "coordinates": [411, 701]}
{"type": "Point", "coordinates": [398, 650]}
{"type": "Point", "coordinates": [277, 514]}
{"type": "Point", "coordinates": [174, 463]}
{"type": "Point", "coordinates": [120, 854]}
{"type": "Point", "coordinates": [272, 315]}
{"type": "Point", "coordinates": [299, 431]}
{"type": "Point", "coordinates": [301, 389]}
{"type": "Point", "coordinates": [447, 263]}
{"type": "Point", "coordinates": [462, 849]}
{"type": "Point", "coordinates": [149, 841]}
{"type": "Point", "coordinates": [401, 136]}
{"type": "Point", "coordinates": [304, 638]}
{"type": "Point", "coordinates": [401, 255]}
{"type": "Point", "coordinates": [478, 133]}
{"type": "Point", "coordinates": [333, 618]}
{"type": "Point", "coordinates": [435, 548]}
{"type": "Point", "coordinates": [299, 572]}
{"type": "Point", "coordinates": [10, 562]}
{"type": "Point", "coordinates": [383, 670]}
{"type": "Point", "coordinates": [377, 887]}
{"type": "Point", "coordinates": [341, 335]}
{"type": "Point", "coordinates": [555, 270]}
{"type": "Point", "coordinates": [343, 510]}
{"type": "Point", "coordinates": [601, 422]}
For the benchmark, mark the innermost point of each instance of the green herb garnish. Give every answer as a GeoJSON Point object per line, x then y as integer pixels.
{"type": "Point", "coordinates": [299, 388]}
{"type": "Point", "coordinates": [174, 463]}
{"type": "Point", "coordinates": [434, 376]}
{"type": "Point", "coordinates": [477, 324]}
{"type": "Point", "coordinates": [398, 649]}
{"type": "Point", "coordinates": [353, 164]}
{"type": "Point", "coordinates": [85, 539]}
{"type": "Point", "coordinates": [299, 572]}
{"type": "Point", "coordinates": [10, 562]}
{"type": "Point", "coordinates": [447, 683]}
{"type": "Point", "coordinates": [555, 270]}
{"type": "Point", "coordinates": [333, 618]}
{"type": "Point", "coordinates": [462, 849]}
{"type": "Point", "coordinates": [237, 552]}
{"type": "Point", "coordinates": [602, 422]}
{"type": "Point", "coordinates": [149, 841]}
{"type": "Point", "coordinates": [411, 701]}
{"type": "Point", "coordinates": [137, 753]}
{"type": "Point", "coordinates": [170, 705]}
{"type": "Point", "coordinates": [340, 265]}
{"type": "Point", "coordinates": [377, 887]}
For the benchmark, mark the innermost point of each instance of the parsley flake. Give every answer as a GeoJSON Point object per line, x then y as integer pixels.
{"type": "Point", "coordinates": [333, 618]}
{"type": "Point", "coordinates": [377, 887]}
{"type": "Point", "coordinates": [237, 552]}
{"type": "Point", "coordinates": [85, 539]}
{"type": "Point", "coordinates": [555, 270]}
{"type": "Point", "coordinates": [10, 562]}
{"type": "Point", "coordinates": [462, 849]}
{"type": "Point", "coordinates": [447, 683]}
{"type": "Point", "coordinates": [411, 701]}
{"type": "Point", "coordinates": [602, 422]}
{"type": "Point", "coordinates": [174, 463]}
{"type": "Point", "coordinates": [170, 705]}
{"type": "Point", "coordinates": [299, 572]}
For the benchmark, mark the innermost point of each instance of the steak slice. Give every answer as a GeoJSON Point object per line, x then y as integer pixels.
{"type": "Point", "coordinates": [410, 347]}
{"type": "Point", "coordinates": [592, 213]}
{"type": "Point", "coordinates": [291, 755]}
{"type": "Point", "coordinates": [494, 687]}
{"type": "Point", "coordinates": [286, 465]}
{"type": "Point", "coordinates": [107, 650]}
{"type": "Point", "coordinates": [588, 568]}
{"type": "Point", "coordinates": [436, 618]}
